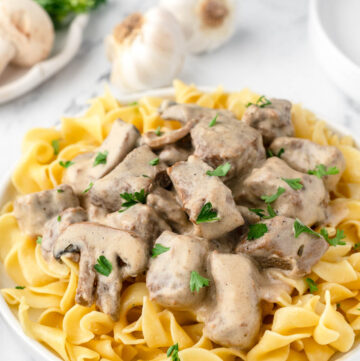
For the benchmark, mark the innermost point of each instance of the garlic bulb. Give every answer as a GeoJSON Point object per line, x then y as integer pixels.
{"type": "Point", "coordinates": [147, 51]}
{"type": "Point", "coordinates": [207, 24]}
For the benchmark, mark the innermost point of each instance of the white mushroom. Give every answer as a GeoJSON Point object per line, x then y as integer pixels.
{"type": "Point", "coordinates": [26, 33]}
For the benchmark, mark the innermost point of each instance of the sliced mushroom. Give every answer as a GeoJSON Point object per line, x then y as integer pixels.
{"type": "Point", "coordinates": [26, 33]}
{"type": "Point", "coordinates": [127, 254]}
{"type": "Point", "coordinates": [56, 226]}
{"type": "Point", "coordinates": [34, 210]}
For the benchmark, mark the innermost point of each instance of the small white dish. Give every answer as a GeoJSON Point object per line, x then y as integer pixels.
{"type": "Point", "coordinates": [16, 81]}
{"type": "Point", "coordinates": [334, 30]}
{"type": "Point", "coordinates": [7, 192]}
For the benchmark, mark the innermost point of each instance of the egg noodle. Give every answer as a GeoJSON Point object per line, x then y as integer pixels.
{"type": "Point", "coordinates": [307, 326]}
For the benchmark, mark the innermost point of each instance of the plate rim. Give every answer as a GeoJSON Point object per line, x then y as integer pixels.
{"type": "Point", "coordinates": [5, 184]}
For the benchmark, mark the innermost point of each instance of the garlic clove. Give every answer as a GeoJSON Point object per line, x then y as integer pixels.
{"type": "Point", "coordinates": [207, 24]}
{"type": "Point", "coordinates": [146, 51]}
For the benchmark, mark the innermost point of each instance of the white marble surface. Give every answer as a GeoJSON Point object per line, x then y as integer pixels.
{"type": "Point", "coordinates": [269, 53]}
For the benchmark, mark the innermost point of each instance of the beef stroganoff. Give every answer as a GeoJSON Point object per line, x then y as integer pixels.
{"type": "Point", "coordinates": [214, 226]}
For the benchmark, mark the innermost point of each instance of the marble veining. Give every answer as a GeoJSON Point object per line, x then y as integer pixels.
{"type": "Point", "coordinates": [269, 53]}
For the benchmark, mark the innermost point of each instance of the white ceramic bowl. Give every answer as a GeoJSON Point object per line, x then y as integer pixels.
{"type": "Point", "coordinates": [334, 29]}
{"type": "Point", "coordinates": [7, 193]}
{"type": "Point", "coordinates": [16, 81]}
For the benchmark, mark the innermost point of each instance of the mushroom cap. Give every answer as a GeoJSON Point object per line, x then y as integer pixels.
{"type": "Point", "coordinates": [28, 27]}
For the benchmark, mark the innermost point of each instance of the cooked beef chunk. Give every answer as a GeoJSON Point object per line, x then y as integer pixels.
{"type": "Point", "coordinates": [165, 204]}
{"type": "Point", "coordinates": [168, 277]}
{"type": "Point", "coordinates": [34, 210]}
{"type": "Point", "coordinates": [271, 121]}
{"type": "Point", "coordinates": [309, 203]}
{"type": "Point", "coordinates": [141, 220]}
{"type": "Point", "coordinates": [304, 155]}
{"type": "Point", "coordinates": [196, 189]}
{"type": "Point", "coordinates": [279, 247]}
{"type": "Point", "coordinates": [127, 254]}
{"type": "Point", "coordinates": [174, 153]}
{"type": "Point", "coordinates": [120, 141]}
{"type": "Point", "coordinates": [57, 225]}
{"type": "Point", "coordinates": [133, 174]}
{"type": "Point", "coordinates": [235, 319]}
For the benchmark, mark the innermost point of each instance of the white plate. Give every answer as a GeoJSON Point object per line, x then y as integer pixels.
{"type": "Point", "coordinates": [16, 81]}
{"type": "Point", "coordinates": [7, 193]}
{"type": "Point", "coordinates": [334, 31]}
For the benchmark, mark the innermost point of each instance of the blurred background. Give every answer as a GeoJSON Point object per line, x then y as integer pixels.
{"type": "Point", "coordinates": [270, 52]}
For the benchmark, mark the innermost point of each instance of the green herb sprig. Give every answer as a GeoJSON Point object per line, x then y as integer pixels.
{"type": "Point", "coordinates": [132, 198]}
{"type": "Point", "coordinates": [103, 266]}
{"type": "Point", "coordinates": [262, 102]}
{"type": "Point", "coordinates": [256, 231]}
{"type": "Point", "coordinates": [197, 281]}
{"type": "Point", "coordinates": [321, 171]}
{"type": "Point", "coordinates": [220, 171]}
{"type": "Point", "coordinates": [335, 241]}
{"type": "Point", "coordinates": [273, 197]}
{"type": "Point", "coordinates": [207, 214]}
{"type": "Point", "coordinates": [158, 249]}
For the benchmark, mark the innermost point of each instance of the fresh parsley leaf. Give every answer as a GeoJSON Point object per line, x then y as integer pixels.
{"type": "Point", "coordinates": [258, 211]}
{"type": "Point", "coordinates": [294, 183]}
{"type": "Point", "coordinates": [256, 231]}
{"type": "Point", "coordinates": [158, 131]}
{"type": "Point", "coordinates": [321, 171]}
{"type": "Point", "coordinates": [20, 287]}
{"type": "Point", "coordinates": [220, 171]}
{"type": "Point", "coordinates": [356, 246]}
{"type": "Point", "coordinates": [273, 197]}
{"type": "Point", "coordinates": [271, 212]}
{"type": "Point", "coordinates": [337, 240]}
{"type": "Point", "coordinates": [213, 121]}
{"type": "Point", "coordinates": [312, 285]}
{"type": "Point", "coordinates": [145, 176]}
{"type": "Point", "coordinates": [61, 12]}
{"type": "Point", "coordinates": [158, 250]}
{"type": "Point", "coordinates": [59, 218]}
{"type": "Point", "coordinates": [133, 104]}
{"type": "Point", "coordinates": [300, 227]}
{"type": "Point", "coordinates": [103, 266]}
{"type": "Point", "coordinates": [270, 154]}
{"type": "Point", "coordinates": [56, 146]}
{"type": "Point", "coordinates": [132, 198]}
{"type": "Point", "coordinates": [88, 188]}
{"type": "Point", "coordinates": [155, 161]}
{"type": "Point", "coordinates": [207, 214]}
{"type": "Point", "coordinates": [173, 351]}
{"type": "Point", "coordinates": [66, 164]}
{"type": "Point", "coordinates": [197, 281]}
{"type": "Point", "coordinates": [262, 102]}
{"type": "Point", "coordinates": [39, 240]}
{"type": "Point", "coordinates": [60, 190]}
{"type": "Point", "coordinates": [101, 158]}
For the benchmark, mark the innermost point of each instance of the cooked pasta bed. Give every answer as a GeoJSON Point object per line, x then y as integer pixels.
{"type": "Point", "coordinates": [308, 326]}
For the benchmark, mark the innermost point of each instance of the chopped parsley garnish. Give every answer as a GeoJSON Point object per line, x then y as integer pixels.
{"type": "Point", "coordinates": [173, 352]}
{"type": "Point", "coordinates": [213, 121]}
{"type": "Point", "coordinates": [103, 266]}
{"type": "Point", "coordinates": [312, 285]}
{"type": "Point", "coordinates": [60, 190]}
{"type": "Point", "coordinates": [271, 212]}
{"type": "Point", "coordinates": [256, 231]}
{"type": "Point", "coordinates": [294, 183]}
{"type": "Point", "coordinates": [258, 211]}
{"type": "Point", "coordinates": [220, 171]}
{"type": "Point", "coordinates": [59, 218]}
{"type": "Point", "coordinates": [207, 214]}
{"type": "Point", "coordinates": [132, 198]}
{"type": "Point", "coordinates": [158, 250]}
{"type": "Point", "coordinates": [56, 146]}
{"type": "Point", "coordinates": [270, 154]}
{"type": "Point", "coordinates": [197, 281]}
{"type": "Point", "coordinates": [300, 227]}
{"type": "Point", "coordinates": [337, 240]}
{"type": "Point", "coordinates": [155, 161]}
{"type": "Point", "coordinates": [39, 240]}
{"type": "Point", "coordinates": [20, 287]}
{"type": "Point", "coordinates": [356, 246]}
{"type": "Point", "coordinates": [262, 102]}
{"type": "Point", "coordinates": [145, 176]}
{"type": "Point", "coordinates": [101, 158]}
{"type": "Point", "coordinates": [273, 197]}
{"type": "Point", "coordinates": [88, 188]}
{"type": "Point", "coordinates": [66, 164]}
{"type": "Point", "coordinates": [158, 131]}
{"type": "Point", "coordinates": [321, 171]}
{"type": "Point", "coordinates": [133, 104]}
